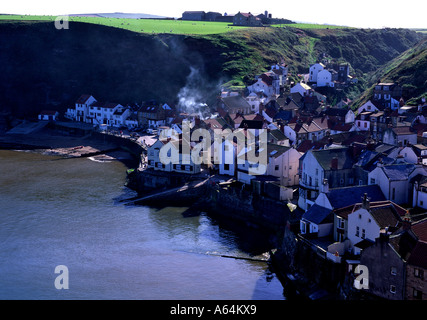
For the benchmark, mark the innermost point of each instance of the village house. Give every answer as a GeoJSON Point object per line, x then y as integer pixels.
{"type": "Point", "coordinates": [314, 71]}
{"type": "Point", "coordinates": [81, 110]}
{"type": "Point", "coordinates": [119, 116]}
{"type": "Point", "coordinates": [366, 222]}
{"type": "Point", "coordinates": [419, 192]}
{"type": "Point", "coordinates": [385, 259]}
{"type": "Point", "coordinates": [387, 95]}
{"type": "Point", "coordinates": [416, 267]}
{"type": "Point", "coordinates": [48, 115]}
{"type": "Point", "coordinates": [393, 180]}
{"type": "Point", "coordinates": [301, 88]}
{"type": "Point", "coordinates": [152, 115]}
{"type": "Point", "coordinates": [234, 104]}
{"type": "Point", "coordinates": [193, 15]}
{"type": "Point", "coordinates": [102, 112]}
{"type": "Point", "coordinates": [334, 164]}
{"type": "Point", "coordinates": [367, 107]}
{"type": "Point", "coordinates": [416, 273]}
{"type": "Point", "coordinates": [400, 136]}
{"type": "Point", "coordinates": [268, 83]}
{"type": "Point", "coordinates": [246, 19]}
{"type": "Point", "coordinates": [300, 129]}
{"type": "Point", "coordinates": [183, 163]}
{"type": "Point", "coordinates": [283, 163]}
{"type": "Point", "coordinates": [325, 222]}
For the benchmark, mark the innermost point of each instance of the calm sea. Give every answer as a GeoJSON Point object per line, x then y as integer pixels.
{"type": "Point", "coordinates": [67, 212]}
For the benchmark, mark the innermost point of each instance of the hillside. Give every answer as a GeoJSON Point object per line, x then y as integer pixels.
{"type": "Point", "coordinates": [408, 69]}
{"type": "Point", "coordinates": [41, 67]}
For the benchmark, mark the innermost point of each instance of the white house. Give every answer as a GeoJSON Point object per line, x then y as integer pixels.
{"type": "Point", "coordinates": [314, 71]}
{"type": "Point", "coordinates": [283, 163]}
{"type": "Point", "coordinates": [268, 83]}
{"type": "Point", "coordinates": [408, 154]}
{"type": "Point", "coordinates": [82, 107]}
{"type": "Point", "coordinates": [102, 113]}
{"type": "Point", "coordinates": [179, 162]}
{"type": "Point", "coordinates": [367, 107]}
{"type": "Point", "coordinates": [254, 101]}
{"type": "Point", "coordinates": [324, 79]}
{"type": "Point", "coordinates": [48, 115]}
{"type": "Point", "coordinates": [317, 220]}
{"type": "Point", "coordinates": [153, 157]}
{"type": "Point", "coordinates": [400, 136]}
{"type": "Point", "coordinates": [393, 179]}
{"type": "Point", "coordinates": [119, 116]}
{"type": "Point", "coordinates": [363, 122]}
{"type": "Point", "coordinates": [301, 88]}
{"type": "Point", "coordinates": [228, 153]}
{"type": "Point", "coordinates": [419, 198]}
{"type": "Point", "coordinates": [365, 223]}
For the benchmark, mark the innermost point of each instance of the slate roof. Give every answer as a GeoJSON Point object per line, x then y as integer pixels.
{"type": "Point", "coordinates": [318, 214]}
{"type": "Point", "coordinates": [397, 172]}
{"type": "Point", "coordinates": [343, 197]}
{"type": "Point", "coordinates": [324, 158]}
{"type": "Point", "coordinates": [276, 135]}
{"type": "Point", "coordinates": [235, 102]}
{"type": "Point", "coordinates": [275, 150]}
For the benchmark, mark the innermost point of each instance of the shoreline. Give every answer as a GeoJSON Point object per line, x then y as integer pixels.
{"type": "Point", "coordinates": [51, 142]}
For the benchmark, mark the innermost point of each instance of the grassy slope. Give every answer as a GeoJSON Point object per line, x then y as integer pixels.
{"type": "Point", "coordinates": [55, 66]}
{"type": "Point", "coordinates": [142, 25]}
{"type": "Point", "coordinates": [408, 69]}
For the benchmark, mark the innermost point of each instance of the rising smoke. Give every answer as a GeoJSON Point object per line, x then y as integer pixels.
{"type": "Point", "coordinates": [191, 98]}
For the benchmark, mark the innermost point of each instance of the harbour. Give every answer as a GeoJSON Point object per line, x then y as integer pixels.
{"type": "Point", "coordinates": [70, 213]}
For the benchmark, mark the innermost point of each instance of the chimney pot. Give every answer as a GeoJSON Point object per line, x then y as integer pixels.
{"type": "Point", "coordinates": [334, 163]}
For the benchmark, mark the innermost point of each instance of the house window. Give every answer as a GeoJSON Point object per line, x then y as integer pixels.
{"type": "Point", "coordinates": [392, 289]}
{"type": "Point", "coordinates": [418, 273]}
{"type": "Point", "coordinates": [276, 167]}
{"type": "Point", "coordinates": [417, 294]}
{"type": "Point", "coordinates": [360, 216]}
{"type": "Point", "coordinates": [369, 220]}
{"type": "Point", "coordinates": [393, 271]}
{"type": "Point", "coordinates": [372, 181]}
{"type": "Point", "coordinates": [357, 231]}
{"type": "Point", "coordinates": [366, 125]}
{"type": "Point", "coordinates": [226, 166]}
{"type": "Point", "coordinates": [393, 194]}
{"type": "Point", "coordinates": [341, 223]}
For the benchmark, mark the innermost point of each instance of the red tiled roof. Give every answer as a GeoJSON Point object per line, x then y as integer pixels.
{"type": "Point", "coordinates": [418, 255]}
{"type": "Point", "coordinates": [83, 98]}
{"type": "Point", "coordinates": [420, 230]}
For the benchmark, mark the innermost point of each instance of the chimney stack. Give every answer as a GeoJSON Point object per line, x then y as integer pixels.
{"type": "Point", "coordinates": [325, 186]}
{"type": "Point", "coordinates": [365, 202]}
{"type": "Point", "coordinates": [407, 221]}
{"type": "Point", "coordinates": [334, 163]}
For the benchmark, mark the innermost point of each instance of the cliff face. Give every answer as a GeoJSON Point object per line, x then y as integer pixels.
{"type": "Point", "coordinates": [45, 68]}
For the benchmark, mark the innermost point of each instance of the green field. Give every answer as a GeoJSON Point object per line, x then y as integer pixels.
{"type": "Point", "coordinates": [142, 25]}
{"type": "Point", "coordinates": [309, 26]}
